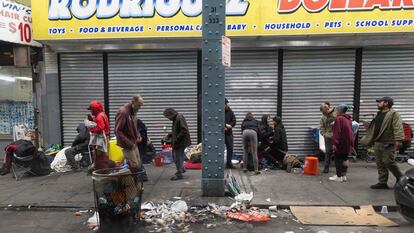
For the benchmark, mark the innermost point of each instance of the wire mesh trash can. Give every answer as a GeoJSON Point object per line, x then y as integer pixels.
{"type": "Point", "coordinates": [118, 195]}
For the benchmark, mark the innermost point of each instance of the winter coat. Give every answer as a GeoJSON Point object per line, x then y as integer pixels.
{"type": "Point", "coordinates": [180, 133]}
{"type": "Point", "coordinates": [250, 123]}
{"type": "Point", "coordinates": [343, 136]}
{"type": "Point", "coordinates": [265, 131]}
{"type": "Point", "coordinates": [280, 138]}
{"type": "Point", "coordinates": [81, 141]}
{"type": "Point", "coordinates": [230, 119]}
{"type": "Point", "coordinates": [100, 118]}
{"type": "Point", "coordinates": [142, 146]}
{"type": "Point", "coordinates": [326, 124]}
{"type": "Point", "coordinates": [391, 130]}
{"type": "Point", "coordinates": [126, 127]}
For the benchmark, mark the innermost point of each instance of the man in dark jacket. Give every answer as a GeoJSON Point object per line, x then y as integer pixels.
{"type": "Point", "coordinates": [126, 132]}
{"type": "Point", "coordinates": [79, 145]}
{"type": "Point", "coordinates": [280, 146]}
{"type": "Point", "coordinates": [180, 139]}
{"type": "Point", "coordinates": [342, 142]}
{"type": "Point", "coordinates": [230, 122]}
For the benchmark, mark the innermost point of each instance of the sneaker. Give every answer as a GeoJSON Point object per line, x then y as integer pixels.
{"type": "Point", "coordinates": [176, 177]}
{"type": "Point", "coordinates": [344, 179]}
{"type": "Point", "coordinates": [336, 178]}
{"type": "Point", "coordinates": [333, 177]}
{"type": "Point", "coordinates": [379, 186]}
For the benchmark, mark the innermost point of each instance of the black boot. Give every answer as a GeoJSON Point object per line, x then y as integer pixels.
{"type": "Point", "coordinates": [5, 171]}
{"type": "Point", "coordinates": [326, 169]}
{"type": "Point", "coordinates": [379, 186]}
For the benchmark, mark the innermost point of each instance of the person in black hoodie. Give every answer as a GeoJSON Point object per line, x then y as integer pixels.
{"type": "Point", "coordinates": [266, 138]}
{"type": "Point", "coordinates": [180, 140]}
{"type": "Point", "coordinates": [230, 122]}
{"type": "Point", "coordinates": [250, 131]}
{"type": "Point", "coordinates": [280, 143]}
{"type": "Point", "coordinates": [79, 145]}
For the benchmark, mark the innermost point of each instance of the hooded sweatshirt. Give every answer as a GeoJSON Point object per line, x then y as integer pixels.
{"type": "Point", "coordinates": [180, 134]}
{"type": "Point", "coordinates": [81, 141]}
{"type": "Point", "coordinates": [100, 118]}
{"type": "Point", "coordinates": [250, 123]}
{"type": "Point", "coordinates": [343, 137]}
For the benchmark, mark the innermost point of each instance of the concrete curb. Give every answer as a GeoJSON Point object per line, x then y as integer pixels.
{"type": "Point", "coordinates": [77, 208]}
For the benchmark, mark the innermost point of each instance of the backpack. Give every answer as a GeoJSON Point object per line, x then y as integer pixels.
{"type": "Point", "coordinates": [25, 149]}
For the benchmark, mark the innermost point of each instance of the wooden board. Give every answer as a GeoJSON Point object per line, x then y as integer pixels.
{"type": "Point", "coordinates": [340, 216]}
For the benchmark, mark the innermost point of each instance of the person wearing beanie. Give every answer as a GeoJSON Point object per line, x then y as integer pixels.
{"type": "Point", "coordinates": [342, 142]}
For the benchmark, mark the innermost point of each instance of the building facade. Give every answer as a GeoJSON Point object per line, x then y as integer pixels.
{"type": "Point", "coordinates": [287, 57]}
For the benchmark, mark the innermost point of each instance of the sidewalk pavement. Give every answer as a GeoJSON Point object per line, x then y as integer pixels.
{"type": "Point", "coordinates": [74, 190]}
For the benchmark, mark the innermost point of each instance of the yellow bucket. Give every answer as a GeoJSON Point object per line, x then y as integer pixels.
{"type": "Point", "coordinates": [115, 152]}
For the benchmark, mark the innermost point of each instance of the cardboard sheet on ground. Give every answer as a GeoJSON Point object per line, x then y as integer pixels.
{"type": "Point", "coordinates": [340, 216]}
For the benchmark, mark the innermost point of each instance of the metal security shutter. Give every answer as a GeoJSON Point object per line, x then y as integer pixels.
{"type": "Point", "coordinates": [388, 72]}
{"type": "Point", "coordinates": [251, 86]}
{"type": "Point", "coordinates": [81, 78]}
{"type": "Point", "coordinates": [309, 78]}
{"type": "Point", "coordinates": [164, 79]}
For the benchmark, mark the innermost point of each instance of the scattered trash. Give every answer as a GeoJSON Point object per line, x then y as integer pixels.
{"type": "Point", "coordinates": [244, 197]}
{"type": "Point", "coordinates": [93, 222]}
{"type": "Point", "coordinates": [273, 216]}
{"type": "Point", "coordinates": [323, 231]}
{"type": "Point", "coordinates": [176, 216]}
{"type": "Point", "coordinates": [179, 206]}
{"type": "Point", "coordinates": [177, 198]}
{"type": "Point", "coordinates": [78, 213]}
{"type": "Point", "coordinates": [273, 208]}
{"type": "Point", "coordinates": [29, 207]}
{"type": "Point", "coordinates": [232, 184]}
{"type": "Point", "coordinates": [289, 232]}
{"type": "Point", "coordinates": [148, 206]}
{"type": "Point", "coordinates": [268, 200]}
{"type": "Point", "coordinates": [251, 216]}
{"type": "Point", "coordinates": [411, 161]}
{"type": "Point", "coordinates": [384, 210]}
{"type": "Point", "coordinates": [210, 226]}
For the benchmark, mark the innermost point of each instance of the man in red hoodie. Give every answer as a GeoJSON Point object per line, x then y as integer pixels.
{"type": "Point", "coordinates": [342, 142]}
{"type": "Point", "coordinates": [101, 121]}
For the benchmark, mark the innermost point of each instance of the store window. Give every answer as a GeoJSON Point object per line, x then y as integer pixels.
{"type": "Point", "coordinates": [16, 106]}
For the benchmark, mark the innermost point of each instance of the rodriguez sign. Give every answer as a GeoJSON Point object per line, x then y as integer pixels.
{"type": "Point", "coordinates": [91, 19]}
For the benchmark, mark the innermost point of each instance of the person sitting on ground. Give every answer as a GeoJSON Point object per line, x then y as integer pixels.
{"type": "Point", "coordinates": [280, 145]}
{"type": "Point", "coordinates": [79, 145]}
{"type": "Point", "coordinates": [266, 137]}
{"type": "Point", "coordinates": [250, 132]}
{"type": "Point", "coordinates": [342, 142]}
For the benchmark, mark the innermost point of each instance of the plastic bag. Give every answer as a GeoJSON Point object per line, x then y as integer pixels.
{"type": "Point", "coordinates": [253, 216]}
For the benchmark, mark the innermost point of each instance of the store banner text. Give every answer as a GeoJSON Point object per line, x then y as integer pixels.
{"type": "Point", "coordinates": [16, 23]}
{"type": "Point", "coordinates": [79, 19]}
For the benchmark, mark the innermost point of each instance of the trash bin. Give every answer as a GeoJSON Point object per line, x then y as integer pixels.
{"type": "Point", "coordinates": [118, 195]}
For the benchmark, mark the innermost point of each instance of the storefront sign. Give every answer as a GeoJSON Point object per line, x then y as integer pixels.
{"type": "Point", "coordinates": [16, 23]}
{"type": "Point", "coordinates": [90, 19]}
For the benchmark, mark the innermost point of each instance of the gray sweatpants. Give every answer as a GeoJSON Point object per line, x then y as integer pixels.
{"type": "Point", "coordinates": [178, 156]}
{"type": "Point", "coordinates": [250, 138]}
